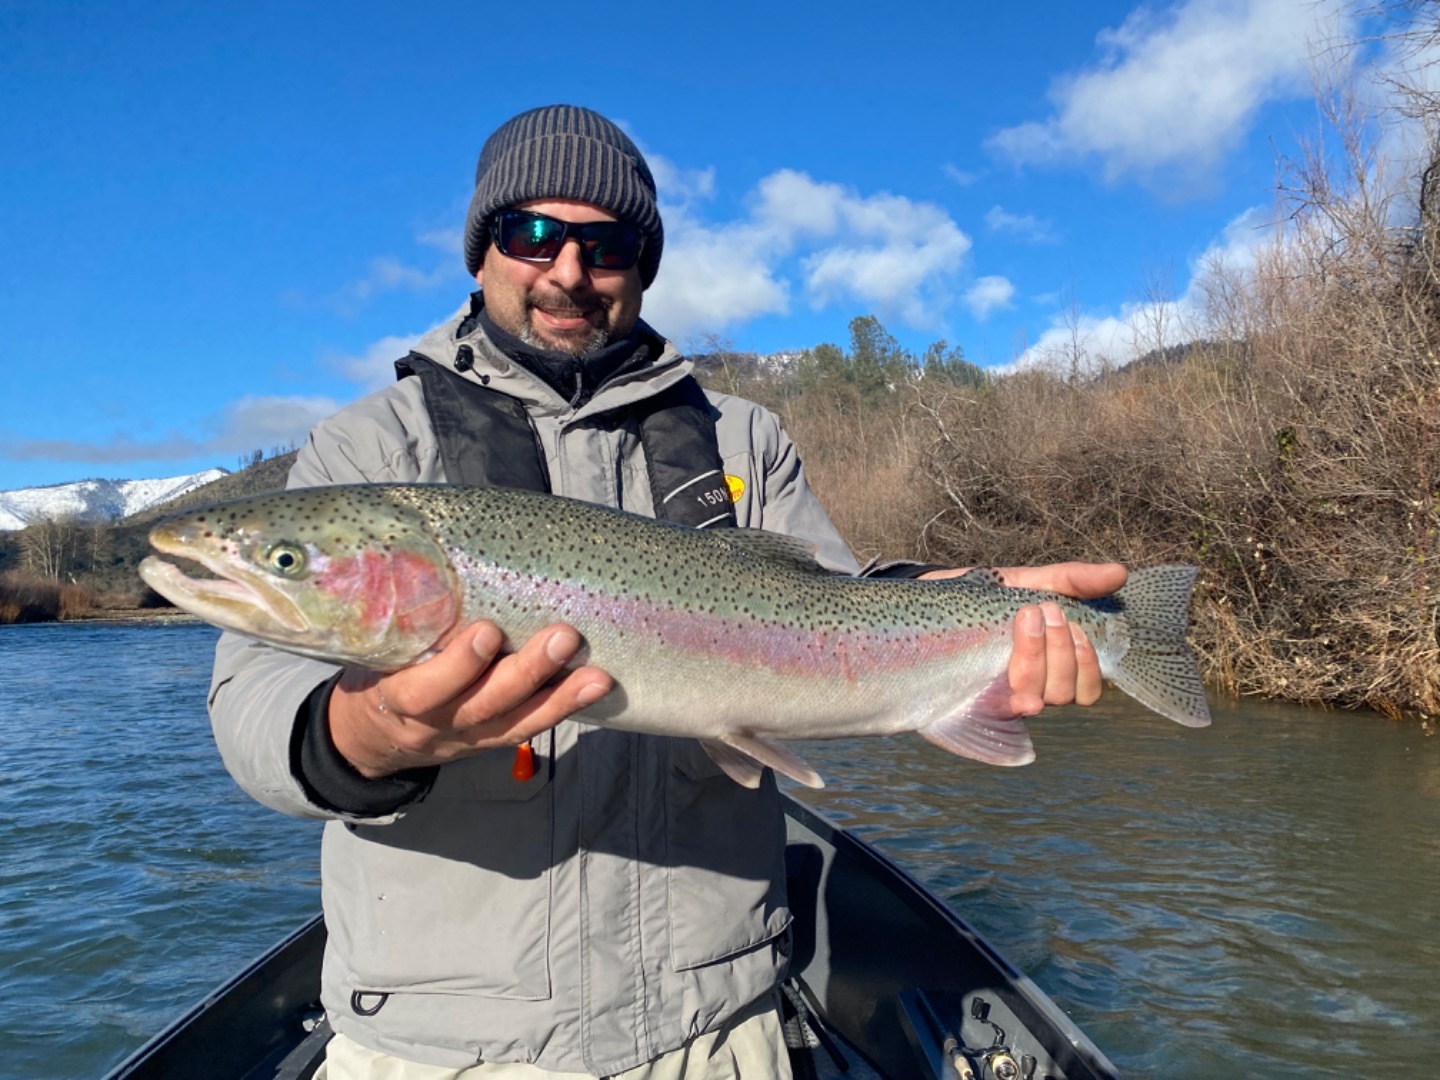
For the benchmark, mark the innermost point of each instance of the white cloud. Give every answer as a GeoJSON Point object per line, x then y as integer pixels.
{"type": "Point", "coordinates": [388, 274]}
{"type": "Point", "coordinates": [252, 423]}
{"type": "Point", "coordinates": [885, 251]}
{"type": "Point", "coordinates": [1088, 343]}
{"type": "Point", "coordinates": [1025, 226]}
{"type": "Point", "coordinates": [1173, 92]}
{"type": "Point", "coordinates": [1240, 242]}
{"type": "Point", "coordinates": [265, 422]}
{"type": "Point", "coordinates": [1091, 341]}
{"type": "Point", "coordinates": [712, 277]}
{"type": "Point", "coordinates": [678, 186]}
{"type": "Point", "coordinates": [450, 241]}
{"type": "Point", "coordinates": [892, 253]}
{"type": "Point", "coordinates": [1394, 96]}
{"type": "Point", "coordinates": [989, 294]}
{"type": "Point", "coordinates": [796, 238]}
{"type": "Point", "coordinates": [958, 175]}
{"type": "Point", "coordinates": [374, 368]}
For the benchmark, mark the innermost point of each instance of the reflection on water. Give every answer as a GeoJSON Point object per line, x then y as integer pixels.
{"type": "Point", "coordinates": [1254, 899]}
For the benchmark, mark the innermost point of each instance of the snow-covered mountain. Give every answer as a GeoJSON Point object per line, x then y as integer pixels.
{"type": "Point", "coordinates": [94, 500]}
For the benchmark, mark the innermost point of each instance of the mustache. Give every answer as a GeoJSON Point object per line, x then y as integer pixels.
{"type": "Point", "coordinates": [560, 302]}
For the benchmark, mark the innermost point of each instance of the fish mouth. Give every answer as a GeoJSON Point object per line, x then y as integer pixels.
{"type": "Point", "coordinates": [233, 599]}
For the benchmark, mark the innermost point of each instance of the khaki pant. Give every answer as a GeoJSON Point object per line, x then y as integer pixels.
{"type": "Point", "coordinates": [751, 1049]}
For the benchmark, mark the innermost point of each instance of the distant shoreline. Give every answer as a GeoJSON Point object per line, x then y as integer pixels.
{"type": "Point", "coordinates": [117, 616]}
{"type": "Point", "coordinates": [158, 616]}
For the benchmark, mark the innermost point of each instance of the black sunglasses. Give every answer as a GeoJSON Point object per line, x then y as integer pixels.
{"type": "Point", "coordinates": [532, 237]}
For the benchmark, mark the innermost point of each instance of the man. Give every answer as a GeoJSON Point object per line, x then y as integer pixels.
{"type": "Point", "coordinates": [616, 906]}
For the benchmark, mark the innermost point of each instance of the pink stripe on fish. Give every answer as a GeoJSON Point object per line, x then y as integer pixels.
{"type": "Point", "coordinates": [840, 653]}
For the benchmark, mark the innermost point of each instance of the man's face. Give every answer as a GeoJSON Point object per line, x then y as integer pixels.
{"type": "Point", "coordinates": [562, 305]}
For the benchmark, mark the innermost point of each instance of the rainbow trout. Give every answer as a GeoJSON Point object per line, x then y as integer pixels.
{"type": "Point", "coordinates": [735, 637]}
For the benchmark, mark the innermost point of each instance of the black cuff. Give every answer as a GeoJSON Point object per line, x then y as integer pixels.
{"type": "Point", "coordinates": [904, 570]}
{"type": "Point", "coordinates": [332, 781]}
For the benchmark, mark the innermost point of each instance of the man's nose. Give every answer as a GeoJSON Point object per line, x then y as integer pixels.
{"type": "Point", "coordinates": [567, 269]}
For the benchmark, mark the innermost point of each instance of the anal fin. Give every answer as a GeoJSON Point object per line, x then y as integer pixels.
{"type": "Point", "coordinates": [740, 767]}
{"type": "Point", "coordinates": [743, 756]}
{"type": "Point", "coordinates": [984, 729]}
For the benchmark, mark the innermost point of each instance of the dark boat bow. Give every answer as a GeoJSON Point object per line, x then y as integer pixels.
{"type": "Point", "coordinates": [886, 976]}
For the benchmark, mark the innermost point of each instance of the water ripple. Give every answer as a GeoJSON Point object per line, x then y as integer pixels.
{"type": "Point", "coordinates": [133, 874]}
{"type": "Point", "coordinates": [1233, 901]}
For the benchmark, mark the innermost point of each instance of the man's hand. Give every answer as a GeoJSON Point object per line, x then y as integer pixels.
{"type": "Point", "coordinates": [465, 699]}
{"type": "Point", "coordinates": [1053, 663]}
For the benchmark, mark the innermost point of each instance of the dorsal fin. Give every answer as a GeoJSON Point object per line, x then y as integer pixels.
{"type": "Point", "coordinates": [980, 577]}
{"type": "Point", "coordinates": [772, 547]}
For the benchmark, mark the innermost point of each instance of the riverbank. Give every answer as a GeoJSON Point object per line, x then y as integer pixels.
{"type": "Point", "coordinates": [31, 615]}
{"type": "Point", "coordinates": [157, 616]}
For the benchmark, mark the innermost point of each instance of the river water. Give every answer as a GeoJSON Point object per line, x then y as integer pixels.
{"type": "Point", "coordinates": [1258, 899]}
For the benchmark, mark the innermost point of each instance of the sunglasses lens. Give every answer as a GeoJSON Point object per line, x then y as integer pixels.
{"type": "Point", "coordinates": [530, 236]}
{"type": "Point", "coordinates": [605, 245]}
{"type": "Point", "coordinates": [611, 246]}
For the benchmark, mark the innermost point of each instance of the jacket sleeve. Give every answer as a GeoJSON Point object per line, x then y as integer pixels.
{"type": "Point", "coordinates": [256, 695]}
{"type": "Point", "coordinates": [260, 697]}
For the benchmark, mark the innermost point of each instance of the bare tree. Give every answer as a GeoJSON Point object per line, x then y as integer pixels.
{"type": "Point", "coordinates": [48, 546]}
{"type": "Point", "coordinates": [101, 541]}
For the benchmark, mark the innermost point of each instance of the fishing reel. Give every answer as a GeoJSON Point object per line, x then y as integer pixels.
{"type": "Point", "coordinates": [966, 1038]}
{"type": "Point", "coordinates": [997, 1064]}
{"type": "Point", "coordinates": [997, 1061]}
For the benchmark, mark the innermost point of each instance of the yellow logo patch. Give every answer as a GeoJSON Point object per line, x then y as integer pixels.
{"type": "Point", "coordinates": [736, 486]}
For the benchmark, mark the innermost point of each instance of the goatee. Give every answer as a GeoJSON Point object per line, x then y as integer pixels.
{"type": "Point", "coordinates": [597, 340]}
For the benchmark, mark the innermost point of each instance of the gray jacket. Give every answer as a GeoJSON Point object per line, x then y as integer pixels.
{"type": "Point", "coordinates": [627, 898]}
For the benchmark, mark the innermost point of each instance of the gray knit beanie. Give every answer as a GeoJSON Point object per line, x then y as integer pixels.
{"type": "Point", "coordinates": [564, 152]}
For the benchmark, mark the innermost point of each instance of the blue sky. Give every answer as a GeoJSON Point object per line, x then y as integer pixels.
{"type": "Point", "coordinates": [221, 221]}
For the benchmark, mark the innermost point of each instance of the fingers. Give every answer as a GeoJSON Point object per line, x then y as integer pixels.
{"type": "Point", "coordinates": [1052, 662]}
{"type": "Point", "coordinates": [941, 575]}
{"type": "Point", "coordinates": [1060, 662]}
{"type": "Point", "coordinates": [1084, 581]}
{"type": "Point", "coordinates": [518, 696]}
{"type": "Point", "coordinates": [1027, 662]}
{"type": "Point", "coordinates": [445, 677]}
{"type": "Point", "coordinates": [468, 697]}
{"type": "Point", "coordinates": [512, 680]}
{"type": "Point", "coordinates": [1088, 681]}
{"type": "Point", "coordinates": [543, 710]}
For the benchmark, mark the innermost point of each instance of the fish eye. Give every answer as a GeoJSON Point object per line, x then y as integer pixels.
{"type": "Point", "coordinates": [288, 560]}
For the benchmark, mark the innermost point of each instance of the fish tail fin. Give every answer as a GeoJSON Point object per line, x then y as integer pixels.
{"type": "Point", "coordinates": [1159, 669]}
